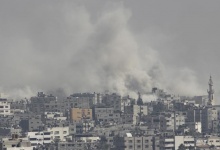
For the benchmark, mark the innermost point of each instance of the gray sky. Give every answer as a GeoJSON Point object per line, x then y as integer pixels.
{"type": "Point", "coordinates": [124, 46]}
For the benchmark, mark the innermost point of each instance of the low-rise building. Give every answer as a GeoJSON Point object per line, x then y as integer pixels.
{"type": "Point", "coordinates": [15, 143]}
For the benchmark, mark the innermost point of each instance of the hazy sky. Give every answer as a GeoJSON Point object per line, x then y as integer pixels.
{"type": "Point", "coordinates": [123, 46]}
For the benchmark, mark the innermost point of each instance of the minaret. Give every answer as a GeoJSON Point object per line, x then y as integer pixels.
{"type": "Point", "coordinates": [210, 92]}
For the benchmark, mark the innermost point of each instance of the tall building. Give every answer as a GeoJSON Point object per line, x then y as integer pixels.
{"type": "Point", "coordinates": [211, 93]}
{"type": "Point", "coordinates": [78, 114]}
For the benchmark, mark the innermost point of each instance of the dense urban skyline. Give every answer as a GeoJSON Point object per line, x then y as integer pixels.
{"type": "Point", "coordinates": [109, 75]}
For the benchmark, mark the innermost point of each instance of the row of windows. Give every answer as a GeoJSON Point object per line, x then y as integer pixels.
{"type": "Point", "coordinates": [35, 139]}
{"type": "Point", "coordinates": [137, 146]}
{"type": "Point", "coordinates": [137, 141]}
{"type": "Point", "coordinates": [4, 107]}
{"type": "Point", "coordinates": [58, 132]}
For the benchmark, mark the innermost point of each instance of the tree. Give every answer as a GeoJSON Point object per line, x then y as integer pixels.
{"type": "Point", "coordinates": [182, 147]}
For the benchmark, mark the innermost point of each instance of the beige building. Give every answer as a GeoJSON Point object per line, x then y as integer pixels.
{"type": "Point", "coordinates": [78, 114]}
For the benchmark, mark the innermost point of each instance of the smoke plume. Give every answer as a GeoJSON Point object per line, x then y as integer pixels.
{"type": "Point", "coordinates": [64, 47]}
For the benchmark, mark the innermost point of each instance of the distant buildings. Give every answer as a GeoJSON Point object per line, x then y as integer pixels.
{"type": "Point", "coordinates": [109, 121]}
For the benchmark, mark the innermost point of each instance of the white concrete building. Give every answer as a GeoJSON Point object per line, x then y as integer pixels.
{"type": "Point", "coordinates": [55, 115]}
{"type": "Point", "coordinates": [214, 140]}
{"type": "Point", "coordinates": [187, 141]}
{"type": "Point", "coordinates": [137, 110]}
{"type": "Point", "coordinates": [39, 138]}
{"type": "Point", "coordinates": [4, 107]}
{"type": "Point", "coordinates": [167, 143]}
{"type": "Point", "coordinates": [90, 139]}
{"type": "Point", "coordinates": [59, 133]}
{"type": "Point", "coordinates": [179, 119]}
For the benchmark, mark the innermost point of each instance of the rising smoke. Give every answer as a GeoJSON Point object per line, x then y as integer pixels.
{"type": "Point", "coordinates": [62, 47]}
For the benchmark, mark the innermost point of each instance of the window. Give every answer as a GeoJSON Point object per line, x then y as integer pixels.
{"type": "Point", "coordinates": [46, 133]}
{"type": "Point", "coordinates": [46, 138]}
{"type": "Point", "coordinates": [1, 106]}
{"type": "Point", "coordinates": [64, 132]}
{"type": "Point", "coordinates": [57, 137]}
{"type": "Point", "coordinates": [33, 139]}
{"type": "Point", "coordinates": [56, 132]}
{"type": "Point", "coordinates": [138, 141]}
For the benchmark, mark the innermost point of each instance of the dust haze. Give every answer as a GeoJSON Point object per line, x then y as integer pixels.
{"type": "Point", "coordinates": [71, 46]}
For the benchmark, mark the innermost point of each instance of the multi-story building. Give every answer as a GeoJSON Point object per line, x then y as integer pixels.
{"type": "Point", "coordinates": [79, 114]}
{"type": "Point", "coordinates": [133, 113]}
{"type": "Point", "coordinates": [35, 124]}
{"type": "Point", "coordinates": [107, 115]}
{"type": "Point", "coordinates": [42, 103]}
{"type": "Point", "coordinates": [187, 141]}
{"type": "Point", "coordinates": [156, 122]}
{"type": "Point", "coordinates": [113, 100]}
{"type": "Point", "coordinates": [170, 143]}
{"type": "Point", "coordinates": [138, 112]}
{"type": "Point", "coordinates": [179, 119]}
{"type": "Point", "coordinates": [209, 115]}
{"type": "Point", "coordinates": [41, 138]}
{"type": "Point", "coordinates": [167, 143]}
{"type": "Point", "coordinates": [59, 133]}
{"type": "Point", "coordinates": [130, 142]}
{"type": "Point", "coordinates": [4, 107]}
{"type": "Point", "coordinates": [80, 100]}
{"type": "Point", "coordinates": [18, 105]}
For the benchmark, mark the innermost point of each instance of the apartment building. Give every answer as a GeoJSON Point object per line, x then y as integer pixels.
{"type": "Point", "coordinates": [170, 143]}
{"type": "Point", "coordinates": [41, 103]}
{"type": "Point", "coordinates": [140, 143]}
{"type": "Point", "coordinates": [79, 114]}
{"type": "Point", "coordinates": [4, 107]}
{"type": "Point", "coordinates": [107, 115]}
{"type": "Point", "coordinates": [59, 133]}
{"type": "Point", "coordinates": [113, 100]}
{"type": "Point", "coordinates": [41, 138]}
{"type": "Point", "coordinates": [80, 100]}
